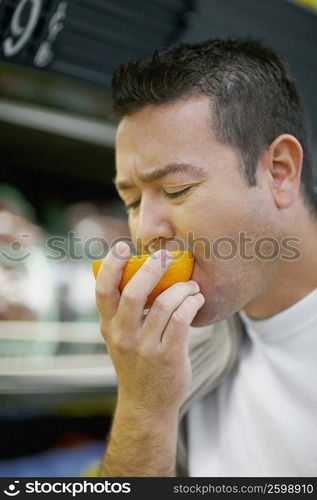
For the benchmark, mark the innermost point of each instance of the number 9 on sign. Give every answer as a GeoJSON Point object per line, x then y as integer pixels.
{"type": "Point", "coordinates": [21, 34]}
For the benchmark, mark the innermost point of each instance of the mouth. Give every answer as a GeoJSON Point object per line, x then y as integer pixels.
{"type": "Point", "coordinates": [159, 244]}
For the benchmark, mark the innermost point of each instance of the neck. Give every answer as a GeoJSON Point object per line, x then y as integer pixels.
{"type": "Point", "coordinates": [291, 280]}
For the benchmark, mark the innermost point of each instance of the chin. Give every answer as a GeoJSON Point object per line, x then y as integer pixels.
{"type": "Point", "coordinates": [222, 299]}
{"type": "Point", "coordinates": [204, 317]}
{"type": "Point", "coordinates": [217, 310]}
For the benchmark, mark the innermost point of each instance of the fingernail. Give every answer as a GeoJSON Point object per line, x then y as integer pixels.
{"type": "Point", "coordinates": [200, 298]}
{"type": "Point", "coordinates": [122, 249]}
{"type": "Point", "coordinates": [194, 285]}
{"type": "Point", "coordinates": [168, 254]}
{"type": "Point", "coordinates": [162, 254]}
{"type": "Point", "coordinates": [164, 257]}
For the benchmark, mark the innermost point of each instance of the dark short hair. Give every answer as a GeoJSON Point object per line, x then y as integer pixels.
{"type": "Point", "coordinates": [254, 95]}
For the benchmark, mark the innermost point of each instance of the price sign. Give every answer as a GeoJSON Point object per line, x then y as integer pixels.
{"type": "Point", "coordinates": [30, 29]}
{"type": "Point", "coordinates": [86, 39]}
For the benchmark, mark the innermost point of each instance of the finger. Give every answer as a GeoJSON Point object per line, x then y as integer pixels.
{"type": "Point", "coordinates": [136, 291]}
{"type": "Point", "coordinates": [164, 306]}
{"type": "Point", "coordinates": [180, 321]}
{"type": "Point", "coordinates": [109, 275]}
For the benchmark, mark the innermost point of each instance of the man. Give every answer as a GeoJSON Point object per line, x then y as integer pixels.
{"type": "Point", "coordinates": [212, 148]}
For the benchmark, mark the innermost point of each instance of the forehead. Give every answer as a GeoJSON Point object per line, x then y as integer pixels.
{"type": "Point", "coordinates": [162, 134]}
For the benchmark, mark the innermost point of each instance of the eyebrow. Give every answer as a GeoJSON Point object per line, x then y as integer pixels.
{"type": "Point", "coordinates": [172, 168]}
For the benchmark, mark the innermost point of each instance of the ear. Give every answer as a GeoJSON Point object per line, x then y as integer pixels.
{"type": "Point", "coordinates": [284, 165]}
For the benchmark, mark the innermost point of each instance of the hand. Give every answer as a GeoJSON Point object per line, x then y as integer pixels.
{"type": "Point", "coordinates": [149, 353]}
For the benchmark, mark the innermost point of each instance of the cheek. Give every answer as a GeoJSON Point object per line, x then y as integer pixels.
{"type": "Point", "coordinates": [211, 213]}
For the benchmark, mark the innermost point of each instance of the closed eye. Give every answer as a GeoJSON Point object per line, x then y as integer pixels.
{"type": "Point", "coordinates": [176, 194]}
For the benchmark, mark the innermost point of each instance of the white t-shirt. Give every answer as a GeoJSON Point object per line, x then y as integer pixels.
{"type": "Point", "coordinates": [262, 420]}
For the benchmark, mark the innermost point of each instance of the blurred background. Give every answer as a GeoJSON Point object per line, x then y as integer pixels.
{"type": "Point", "coordinates": [58, 206]}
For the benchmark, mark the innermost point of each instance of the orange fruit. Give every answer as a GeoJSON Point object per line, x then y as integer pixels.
{"type": "Point", "coordinates": [180, 269]}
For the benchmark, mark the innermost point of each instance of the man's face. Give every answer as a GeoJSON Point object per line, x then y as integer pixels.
{"type": "Point", "coordinates": [202, 200]}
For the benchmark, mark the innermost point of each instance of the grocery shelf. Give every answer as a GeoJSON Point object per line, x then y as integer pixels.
{"type": "Point", "coordinates": [74, 126]}
{"type": "Point", "coordinates": [53, 358]}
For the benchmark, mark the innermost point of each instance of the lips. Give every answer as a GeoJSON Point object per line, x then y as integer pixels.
{"type": "Point", "coordinates": [162, 244]}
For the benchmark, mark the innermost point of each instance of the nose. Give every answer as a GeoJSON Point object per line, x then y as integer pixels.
{"type": "Point", "coordinates": [153, 228]}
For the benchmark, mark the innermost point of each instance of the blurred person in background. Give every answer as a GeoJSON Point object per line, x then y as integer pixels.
{"type": "Point", "coordinates": [212, 140]}
{"type": "Point", "coordinates": [91, 230]}
{"type": "Point", "coordinates": [38, 282]}
{"type": "Point", "coordinates": [27, 284]}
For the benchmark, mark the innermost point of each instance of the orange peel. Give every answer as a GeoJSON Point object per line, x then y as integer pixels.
{"type": "Point", "coordinates": [180, 269]}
